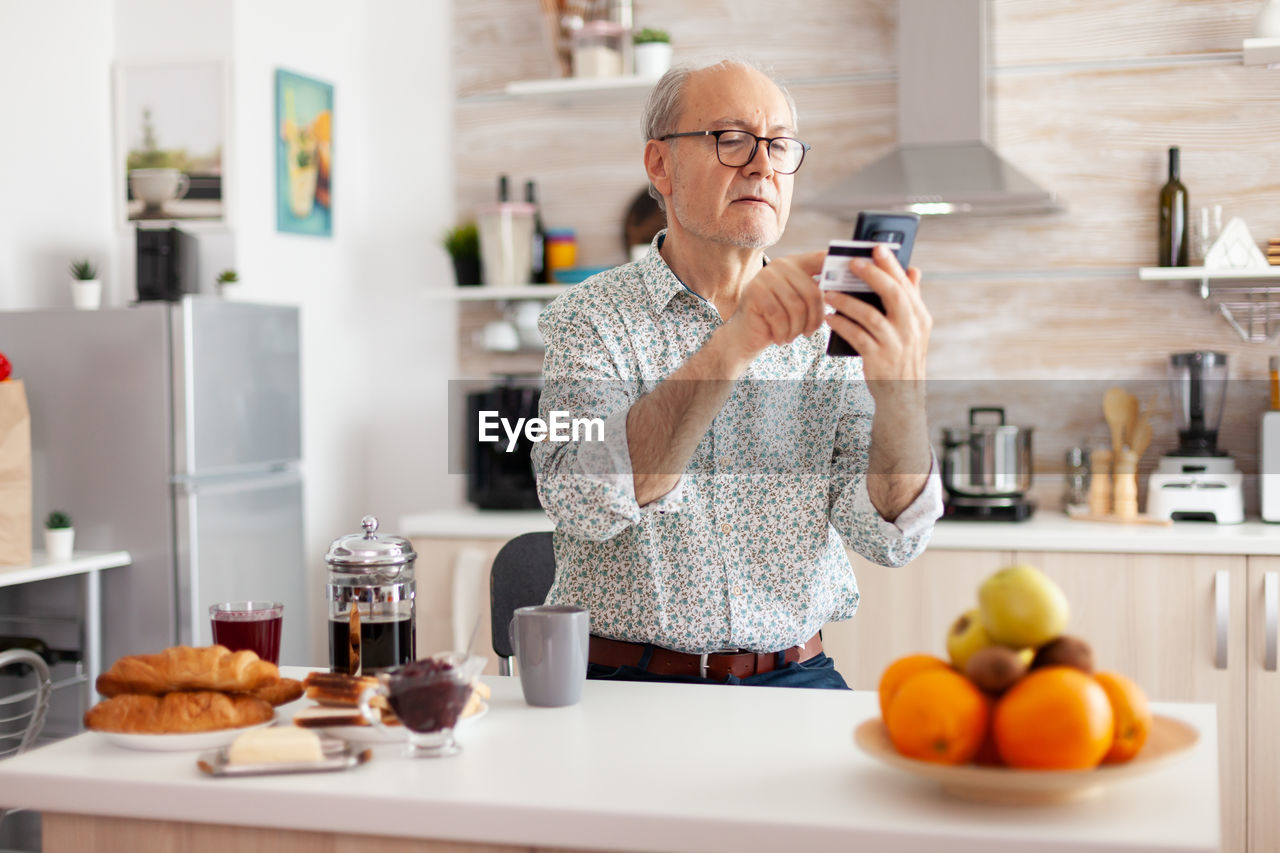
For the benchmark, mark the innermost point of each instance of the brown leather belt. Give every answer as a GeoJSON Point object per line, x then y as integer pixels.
{"type": "Point", "coordinates": [716, 665]}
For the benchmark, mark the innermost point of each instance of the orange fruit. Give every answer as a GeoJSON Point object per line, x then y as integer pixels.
{"type": "Point", "coordinates": [1133, 716]}
{"type": "Point", "coordinates": [938, 716]}
{"type": "Point", "coordinates": [1056, 718]}
{"type": "Point", "coordinates": [896, 673]}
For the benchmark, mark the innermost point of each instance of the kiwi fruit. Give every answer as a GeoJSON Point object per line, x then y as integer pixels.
{"type": "Point", "coordinates": [1065, 651]}
{"type": "Point", "coordinates": [995, 668]}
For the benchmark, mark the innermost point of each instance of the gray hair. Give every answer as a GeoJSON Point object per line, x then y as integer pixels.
{"type": "Point", "coordinates": [662, 108]}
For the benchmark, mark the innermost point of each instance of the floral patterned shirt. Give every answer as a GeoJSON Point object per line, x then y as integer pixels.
{"type": "Point", "coordinates": [746, 551]}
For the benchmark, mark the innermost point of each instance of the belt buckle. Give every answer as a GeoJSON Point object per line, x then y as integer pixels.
{"type": "Point", "coordinates": [702, 659]}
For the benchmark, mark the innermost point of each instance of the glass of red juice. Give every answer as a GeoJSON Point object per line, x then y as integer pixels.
{"type": "Point", "coordinates": [252, 625]}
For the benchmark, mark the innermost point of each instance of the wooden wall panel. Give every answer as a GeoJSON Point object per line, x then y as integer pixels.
{"type": "Point", "coordinates": [1085, 99]}
{"type": "Point", "coordinates": [497, 41]}
{"type": "Point", "coordinates": [1030, 32]}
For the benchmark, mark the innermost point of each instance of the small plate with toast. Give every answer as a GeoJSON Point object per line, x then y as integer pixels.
{"type": "Point", "coordinates": [335, 713]}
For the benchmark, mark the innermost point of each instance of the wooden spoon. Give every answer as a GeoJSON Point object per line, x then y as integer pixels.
{"type": "Point", "coordinates": [1140, 440]}
{"type": "Point", "coordinates": [1115, 408]}
{"type": "Point", "coordinates": [1130, 419]}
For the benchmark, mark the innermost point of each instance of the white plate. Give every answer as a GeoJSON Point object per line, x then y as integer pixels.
{"type": "Point", "coordinates": [370, 735]}
{"type": "Point", "coordinates": [192, 742]}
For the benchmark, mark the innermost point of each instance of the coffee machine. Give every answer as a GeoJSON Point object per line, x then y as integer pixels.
{"type": "Point", "coordinates": [1197, 481]}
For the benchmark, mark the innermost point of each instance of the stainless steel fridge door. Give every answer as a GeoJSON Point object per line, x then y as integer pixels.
{"type": "Point", "coordinates": [237, 380]}
{"type": "Point", "coordinates": [98, 387]}
{"type": "Point", "coordinates": [240, 539]}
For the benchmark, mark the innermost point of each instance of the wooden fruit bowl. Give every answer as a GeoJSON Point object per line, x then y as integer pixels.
{"type": "Point", "coordinates": [1169, 740]}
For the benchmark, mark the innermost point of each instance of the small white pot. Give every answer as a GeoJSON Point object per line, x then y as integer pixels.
{"type": "Point", "coordinates": [87, 294]}
{"type": "Point", "coordinates": [58, 543]}
{"type": "Point", "coordinates": [652, 59]}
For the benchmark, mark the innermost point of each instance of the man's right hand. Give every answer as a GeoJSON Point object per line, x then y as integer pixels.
{"type": "Point", "coordinates": [781, 303]}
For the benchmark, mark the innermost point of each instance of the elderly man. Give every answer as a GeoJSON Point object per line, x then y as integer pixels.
{"type": "Point", "coordinates": [705, 529]}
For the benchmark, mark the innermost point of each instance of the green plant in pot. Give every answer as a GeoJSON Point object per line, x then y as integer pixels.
{"type": "Point", "coordinates": [463, 245]}
{"type": "Point", "coordinates": [86, 290]}
{"type": "Point", "coordinates": [652, 52]}
{"type": "Point", "coordinates": [59, 536]}
{"type": "Point", "coordinates": [227, 282]}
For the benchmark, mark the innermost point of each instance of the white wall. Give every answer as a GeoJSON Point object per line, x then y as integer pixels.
{"type": "Point", "coordinates": [376, 356]}
{"type": "Point", "coordinates": [55, 131]}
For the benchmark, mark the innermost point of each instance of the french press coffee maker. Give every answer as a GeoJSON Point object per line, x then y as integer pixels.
{"type": "Point", "coordinates": [371, 601]}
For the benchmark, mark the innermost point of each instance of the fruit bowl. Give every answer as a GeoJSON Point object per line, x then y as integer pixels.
{"type": "Point", "coordinates": [1169, 740]}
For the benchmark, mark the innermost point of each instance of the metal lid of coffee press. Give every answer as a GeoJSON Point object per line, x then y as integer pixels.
{"type": "Point", "coordinates": [368, 552]}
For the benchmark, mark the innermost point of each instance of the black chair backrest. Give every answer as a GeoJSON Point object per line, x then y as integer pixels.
{"type": "Point", "coordinates": [522, 574]}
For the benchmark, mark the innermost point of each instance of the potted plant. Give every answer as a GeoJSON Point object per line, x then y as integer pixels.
{"type": "Point", "coordinates": [463, 245]}
{"type": "Point", "coordinates": [652, 52]}
{"type": "Point", "coordinates": [59, 536]}
{"type": "Point", "coordinates": [86, 290]}
{"type": "Point", "coordinates": [228, 282]}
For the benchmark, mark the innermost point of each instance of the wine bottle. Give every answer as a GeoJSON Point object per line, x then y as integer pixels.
{"type": "Point", "coordinates": [538, 274]}
{"type": "Point", "coordinates": [1174, 222]}
{"type": "Point", "coordinates": [503, 193]}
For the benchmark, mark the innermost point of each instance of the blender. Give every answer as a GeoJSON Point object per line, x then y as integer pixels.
{"type": "Point", "coordinates": [1197, 481]}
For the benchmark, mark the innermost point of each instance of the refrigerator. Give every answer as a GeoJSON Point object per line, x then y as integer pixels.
{"type": "Point", "coordinates": [172, 431]}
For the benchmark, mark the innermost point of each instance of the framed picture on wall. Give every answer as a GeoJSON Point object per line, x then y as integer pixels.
{"type": "Point", "coordinates": [171, 134]}
{"type": "Point", "coordinates": [304, 154]}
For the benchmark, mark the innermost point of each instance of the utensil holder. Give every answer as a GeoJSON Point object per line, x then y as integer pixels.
{"type": "Point", "coordinates": [1125, 485]}
{"type": "Point", "coordinates": [1100, 482]}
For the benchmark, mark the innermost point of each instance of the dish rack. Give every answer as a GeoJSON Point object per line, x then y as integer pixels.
{"type": "Point", "coordinates": [1249, 300]}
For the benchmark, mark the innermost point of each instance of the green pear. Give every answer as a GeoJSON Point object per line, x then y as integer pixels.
{"type": "Point", "coordinates": [1022, 607]}
{"type": "Point", "coordinates": [966, 636]}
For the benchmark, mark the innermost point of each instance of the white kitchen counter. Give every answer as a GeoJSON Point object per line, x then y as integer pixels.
{"type": "Point", "coordinates": [639, 766]}
{"type": "Point", "coordinates": [1044, 531]}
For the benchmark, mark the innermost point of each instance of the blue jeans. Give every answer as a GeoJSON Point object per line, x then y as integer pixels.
{"type": "Point", "coordinates": [818, 671]}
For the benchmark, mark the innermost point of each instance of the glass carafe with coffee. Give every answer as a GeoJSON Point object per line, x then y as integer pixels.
{"type": "Point", "coordinates": [371, 601]}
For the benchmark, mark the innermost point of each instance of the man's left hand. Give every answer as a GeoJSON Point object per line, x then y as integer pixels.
{"type": "Point", "coordinates": [893, 345]}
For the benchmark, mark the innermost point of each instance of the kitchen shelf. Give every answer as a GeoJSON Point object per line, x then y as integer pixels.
{"type": "Point", "coordinates": [1262, 51]}
{"type": "Point", "coordinates": [484, 293]}
{"type": "Point", "coordinates": [1252, 310]}
{"type": "Point", "coordinates": [571, 85]}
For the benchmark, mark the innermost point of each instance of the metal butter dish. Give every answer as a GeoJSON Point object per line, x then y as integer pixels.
{"type": "Point", "coordinates": [338, 755]}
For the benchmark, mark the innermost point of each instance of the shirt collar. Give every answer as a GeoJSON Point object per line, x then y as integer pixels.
{"type": "Point", "coordinates": [659, 281]}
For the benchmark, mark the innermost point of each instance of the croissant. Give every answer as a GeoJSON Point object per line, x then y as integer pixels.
{"type": "Point", "coordinates": [188, 668]}
{"type": "Point", "coordinates": [281, 692]}
{"type": "Point", "coordinates": [175, 713]}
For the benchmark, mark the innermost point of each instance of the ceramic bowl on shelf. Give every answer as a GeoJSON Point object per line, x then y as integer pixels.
{"type": "Point", "coordinates": [1169, 741]}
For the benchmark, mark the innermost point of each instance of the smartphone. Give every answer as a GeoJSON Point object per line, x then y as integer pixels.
{"type": "Point", "coordinates": [870, 227]}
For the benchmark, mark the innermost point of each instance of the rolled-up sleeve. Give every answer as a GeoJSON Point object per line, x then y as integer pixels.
{"type": "Point", "coordinates": [851, 512]}
{"type": "Point", "coordinates": [586, 484]}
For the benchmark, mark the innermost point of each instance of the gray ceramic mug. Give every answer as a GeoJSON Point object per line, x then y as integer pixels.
{"type": "Point", "coordinates": [550, 642]}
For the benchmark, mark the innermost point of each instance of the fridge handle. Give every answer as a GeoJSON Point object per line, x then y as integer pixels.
{"type": "Point", "coordinates": [1222, 609]}
{"type": "Point", "coordinates": [1271, 601]}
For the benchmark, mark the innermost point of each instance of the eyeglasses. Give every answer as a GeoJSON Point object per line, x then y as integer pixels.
{"type": "Point", "coordinates": [737, 148]}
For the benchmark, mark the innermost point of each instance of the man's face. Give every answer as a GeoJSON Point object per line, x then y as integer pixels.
{"type": "Point", "coordinates": [745, 207]}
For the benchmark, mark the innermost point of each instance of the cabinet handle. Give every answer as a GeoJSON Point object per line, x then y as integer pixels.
{"type": "Point", "coordinates": [1222, 608]}
{"type": "Point", "coordinates": [1271, 599]}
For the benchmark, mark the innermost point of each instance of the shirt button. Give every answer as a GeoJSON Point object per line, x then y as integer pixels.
{"type": "Point", "coordinates": [737, 590]}
{"type": "Point", "coordinates": [726, 528]}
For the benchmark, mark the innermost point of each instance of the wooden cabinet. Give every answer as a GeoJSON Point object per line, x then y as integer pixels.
{"type": "Point", "coordinates": [1262, 600]}
{"type": "Point", "coordinates": [453, 592]}
{"type": "Point", "coordinates": [1155, 618]}
{"type": "Point", "coordinates": [905, 610]}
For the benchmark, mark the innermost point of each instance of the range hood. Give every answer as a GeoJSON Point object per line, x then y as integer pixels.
{"type": "Point", "coordinates": [943, 164]}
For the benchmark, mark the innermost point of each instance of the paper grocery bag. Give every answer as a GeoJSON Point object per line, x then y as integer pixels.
{"type": "Point", "coordinates": [15, 474]}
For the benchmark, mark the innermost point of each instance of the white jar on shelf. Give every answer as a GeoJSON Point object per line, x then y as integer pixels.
{"type": "Point", "coordinates": [597, 49]}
